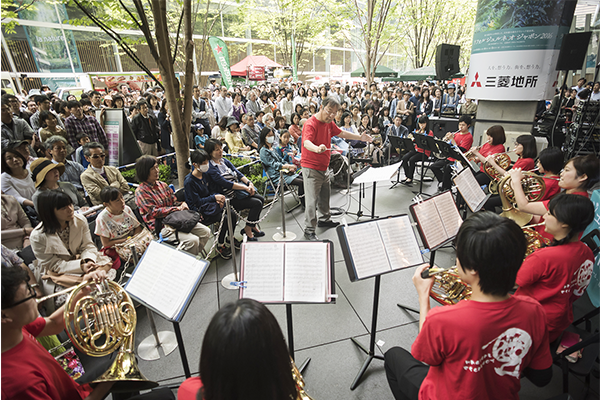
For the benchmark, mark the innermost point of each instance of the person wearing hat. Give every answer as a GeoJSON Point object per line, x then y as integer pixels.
{"type": "Point", "coordinates": [199, 136]}
{"type": "Point", "coordinates": [46, 174]}
{"type": "Point", "coordinates": [23, 147]}
{"type": "Point", "coordinates": [450, 99]}
{"type": "Point", "coordinates": [234, 138]}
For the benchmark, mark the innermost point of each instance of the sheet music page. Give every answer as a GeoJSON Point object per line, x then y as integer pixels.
{"type": "Point", "coordinates": [306, 272]}
{"type": "Point", "coordinates": [400, 242]}
{"type": "Point", "coordinates": [449, 213]}
{"type": "Point", "coordinates": [164, 278]}
{"type": "Point", "coordinates": [263, 271]}
{"type": "Point", "coordinates": [367, 249]}
{"type": "Point", "coordinates": [430, 222]}
{"type": "Point", "coordinates": [469, 189]}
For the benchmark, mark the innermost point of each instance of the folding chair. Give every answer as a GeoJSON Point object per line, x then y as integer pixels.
{"type": "Point", "coordinates": [270, 188]}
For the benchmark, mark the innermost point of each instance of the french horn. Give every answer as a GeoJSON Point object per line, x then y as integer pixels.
{"type": "Point", "coordinates": [534, 240]}
{"type": "Point", "coordinates": [448, 288]}
{"type": "Point", "coordinates": [503, 161]}
{"type": "Point", "coordinates": [534, 188]}
{"type": "Point", "coordinates": [302, 395]}
{"type": "Point", "coordinates": [100, 322]}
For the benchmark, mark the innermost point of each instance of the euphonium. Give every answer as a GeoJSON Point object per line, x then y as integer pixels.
{"type": "Point", "coordinates": [302, 395]}
{"type": "Point", "coordinates": [534, 189]}
{"type": "Point", "coordinates": [101, 322]}
{"type": "Point", "coordinates": [449, 289]}
{"type": "Point", "coordinates": [534, 240]}
{"type": "Point", "coordinates": [503, 161]}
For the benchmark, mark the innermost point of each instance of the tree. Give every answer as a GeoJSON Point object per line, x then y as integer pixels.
{"type": "Point", "coordinates": [432, 22]}
{"type": "Point", "coordinates": [375, 27]}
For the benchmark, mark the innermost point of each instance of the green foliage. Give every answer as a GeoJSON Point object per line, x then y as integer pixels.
{"type": "Point", "coordinates": [259, 182]}
{"type": "Point", "coordinates": [129, 175]}
{"type": "Point", "coordinates": [164, 174]}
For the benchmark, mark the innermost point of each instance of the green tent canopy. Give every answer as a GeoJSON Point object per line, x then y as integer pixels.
{"type": "Point", "coordinates": [380, 72]}
{"type": "Point", "coordinates": [423, 73]}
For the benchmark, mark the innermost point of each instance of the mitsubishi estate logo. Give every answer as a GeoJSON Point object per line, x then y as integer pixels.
{"type": "Point", "coordinates": [476, 81]}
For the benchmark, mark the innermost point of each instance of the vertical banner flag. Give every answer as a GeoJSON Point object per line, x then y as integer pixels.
{"type": "Point", "coordinates": [294, 63]}
{"type": "Point", "coordinates": [219, 49]}
{"type": "Point", "coordinates": [516, 47]}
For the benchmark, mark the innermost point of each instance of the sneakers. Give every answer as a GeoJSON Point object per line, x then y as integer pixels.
{"type": "Point", "coordinates": [310, 236]}
{"type": "Point", "coordinates": [224, 252]}
{"type": "Point", "coordinates": [327, 224]}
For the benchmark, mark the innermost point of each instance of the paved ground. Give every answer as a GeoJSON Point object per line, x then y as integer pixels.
{"type": "Point", "coordinates": [323, 332]}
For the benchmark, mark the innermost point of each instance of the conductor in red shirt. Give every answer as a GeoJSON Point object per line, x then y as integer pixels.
{"type": "Point", "coordinates": [478, 348]}
{"type": "Point", "coordinates": [316, 142]}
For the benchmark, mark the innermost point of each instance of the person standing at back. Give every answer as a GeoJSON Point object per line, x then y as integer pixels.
{"type": "Point", "coordinates": [145, 129]}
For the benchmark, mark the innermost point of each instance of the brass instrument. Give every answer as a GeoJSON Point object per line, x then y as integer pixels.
{"type": "Point", "coordinates": [411, 136]}
{"type": "Point", "coordinates": [302, 395]}
{"type": "Point", "coordinates": [469, 155]}
{"type": "Point", "coordinates": [448, 288]}
{"type": "Point", "coordinates": [534, 189]}
{"type": "Point", "coordinates": [534, 240]}
{"type": "Point", "coordinates": [101, 322]}
{"type": "Point", "coordinates": [449, 136]}
{"type": "Point", "coordinates": [503, 161]}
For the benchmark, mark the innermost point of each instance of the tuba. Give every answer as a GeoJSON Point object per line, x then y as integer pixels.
{"type": "Point", "coordinates": [448, 288]}
{"type": "Point", "coordinates": [100, 322]}
{"type": "Point", "coordinates": [534, 188]}
{"type": "Point", "coordinates": [302, 395]}
{"type": "Point", "coordinates": [503, 161]}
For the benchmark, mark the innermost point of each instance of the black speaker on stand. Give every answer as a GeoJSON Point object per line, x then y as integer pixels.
{"type": "Point", "coordinates": [446, 61]}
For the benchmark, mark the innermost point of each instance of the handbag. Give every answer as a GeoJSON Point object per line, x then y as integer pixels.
{"type": "Point", "coordinates": [182, 220]}
{"type": "Point", "coordinates": [141, 241]}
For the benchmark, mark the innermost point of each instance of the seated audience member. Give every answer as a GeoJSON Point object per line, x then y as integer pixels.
{"type": "Point", "coordinates": [63, 245]}
{"type": "Point", "coordinates": [52, 128]}
{"type": "Point", "coordinates": [526, 151]}
{"type": "Point", "coordinates": [156, 200]}
{"type": "Point", "coordinates": [116, 223]}
{"type": "Point", "coordinates": [202, 196]}
{"type": "Point", "coordinates": [235, 186]}
{"type": "Point", "coordinates": [219, 131]}
{"type": "Point", "coordinates": [579, 175]}
{"type": "Point", "coordinates": [295, 130]}
{"type": "Point", "coordinates": [73, 170]}
{"type": "Point", "coordinates": [199, 136]}
{"type": "Point", "coordinates": [28, 369]}
{"type": "Point", "coordinates": [46, 175]}
{"type": "Point", "coordinates": [10, 259]}
{"type": "Point", "coordinates": [410, 159]}
{"type": "Point", "coordinates": [23, 147]}
{"type": "Point", "coordinates": [97, 175]}
{"type": "Point", "coordinates": [13, 128]}
{"type": "Point", "coordinates": [234, 138]}
{"type": "Point", "coordinates": [550, 163]}
{"type": "Point", "coordinates": [287, 149]}
{"type": "Point", "coordinates": [558, 275]}
{"type": "Point", "coordinates": [16, 179]}
{"type": "Point", "coordinates": [16, 227]}
{"type": "Point", "coordinates": [274, 163]}
{"type": "Point", "coordinates": [82, 139]}
{"type": "Point", "coordinates": [463, 140]}
{"type": "Point", "coordinates": [244, 327]}
{"type": "Point", "coordinates": [495, 138]}
{"type": "Point", "coordinates": [467, 364]}
{"type": "Point", "coordinates": [250, 133]}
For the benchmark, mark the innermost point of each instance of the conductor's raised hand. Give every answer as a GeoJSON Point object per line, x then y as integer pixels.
{"type": "Point", "coordinates": [365, 137]}
{"type": "Point", "coordinates": [423, 286]}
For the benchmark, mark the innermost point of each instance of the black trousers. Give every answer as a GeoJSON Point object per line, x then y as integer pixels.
{"type": "Point", "coordinates": [443, 173]}
{"type": "Point", "coordinates": [409, 160]}
{"type": "Point", "coordinates": [404, 373]}
{"type": "Point", "coordinates": [493, 202]}
{"type": "Point", "coordinates": [482, 178]}
{"type": "Point", "coordinates": [253, 203]}
{"type": "Point", "coordinates": [216, 218]}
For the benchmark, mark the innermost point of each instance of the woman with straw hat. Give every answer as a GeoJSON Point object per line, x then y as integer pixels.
{"type": "Point", "coordinates": [46, 174]}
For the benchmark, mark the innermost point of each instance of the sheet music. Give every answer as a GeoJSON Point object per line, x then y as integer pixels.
{"type": "Point", "coordinates": [378, 174]}
{"type": "Point", "coordinates": [449, 213]}
{"type": "Point", "coordinates": [367, 250]}
{"type": "Point", "coordinates": [264, 282]}
{"type": "Point", "coordinates": [164, 278]}
{"type": "Point", "coordinates": [401, 243]}
{"type": "Point", "coordinates": [469, 189]}
{"type": "Point", "coordinates": [306, 272]}
{"type": "Point", "coordinates": [431, 224]}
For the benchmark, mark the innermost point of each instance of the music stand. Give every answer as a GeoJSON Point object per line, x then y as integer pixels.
{"type": "Point", "coordinates": [423, 142]}
{"type": "Point", "coordinates": [376, 237]}
{"type": "Point", "coordinates": [398, 142]}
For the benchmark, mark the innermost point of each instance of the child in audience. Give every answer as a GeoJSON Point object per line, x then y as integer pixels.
{"type": "Point", "coordinates": [199, 137]}
{"type": "Point", "coordinates": [82, 139]}
{"type": "Point", "coordinates": [116, 223]}
{"type": "Point", "coordinates": [287, 149]}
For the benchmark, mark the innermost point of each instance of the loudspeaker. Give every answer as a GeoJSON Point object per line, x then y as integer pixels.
{"type": "Point", "coordinates": [572, 51]}
{"type": "Point", "coordinates": [446, 61]}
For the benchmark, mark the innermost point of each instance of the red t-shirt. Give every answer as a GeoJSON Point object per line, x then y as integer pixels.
{"type": "Point", "coordinates": [542, 229]}
{"type": "Point", "coordinates": [488, 149]}
{"type": "Point", "coordinates": [479, 350]}
{"type": "Point", "coordinates": [30, 372]}
{"type": "Point", "coordinates": [420, 150]}
{"type": "Point", "coordinates": [526, 164]}
{"type": "Point", "coordinates": [189, 389]}
{"type": "Point", "coordinates": [552, 188]}
{"type": "Point", "coordinates": [463, 141]}
{"type": "Point", "coordinates": [556, 276]}
{"type": "Point", "coordinates": [318, 133]}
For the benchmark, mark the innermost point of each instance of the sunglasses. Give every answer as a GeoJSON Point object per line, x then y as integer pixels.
{"type": "Point", "coordinates": [32, 295]}
{"type": "Point", "coordinates": [98, 156]}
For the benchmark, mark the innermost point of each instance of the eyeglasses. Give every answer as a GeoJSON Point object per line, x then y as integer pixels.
{"type": "Point", "coordinates": [32, 295]}
{"type": "Point", "coordinates": [98, 156]}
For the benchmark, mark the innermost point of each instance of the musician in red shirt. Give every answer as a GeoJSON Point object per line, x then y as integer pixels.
{"type": "Point", "coordinates": [478, 348]}
{"type": "Point", "coordinates": [494, 145]}
{"type": "Point", "coordinates": [550, 163]}
{"type": "Point", "coordinates": [463, 140]}
{"type": "Point", "coordinates": [409, 160]}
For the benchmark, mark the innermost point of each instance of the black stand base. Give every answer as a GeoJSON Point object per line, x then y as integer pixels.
{"type": "Point", "coordinates": [371, 351]}
{"type": "Point", "coordinates": [407, 308]}
{"type": "Point", "coordinates": [290, 329]}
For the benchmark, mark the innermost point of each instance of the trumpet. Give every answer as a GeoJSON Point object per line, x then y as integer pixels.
{"type": "Point", "coordinates": [449, 136]}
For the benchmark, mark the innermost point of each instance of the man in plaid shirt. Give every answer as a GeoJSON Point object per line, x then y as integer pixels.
{"type": "Point", "coordinates": [79, 122]}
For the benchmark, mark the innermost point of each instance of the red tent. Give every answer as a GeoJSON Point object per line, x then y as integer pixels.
{"type": "Point", "coordinates": [240, 69]}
